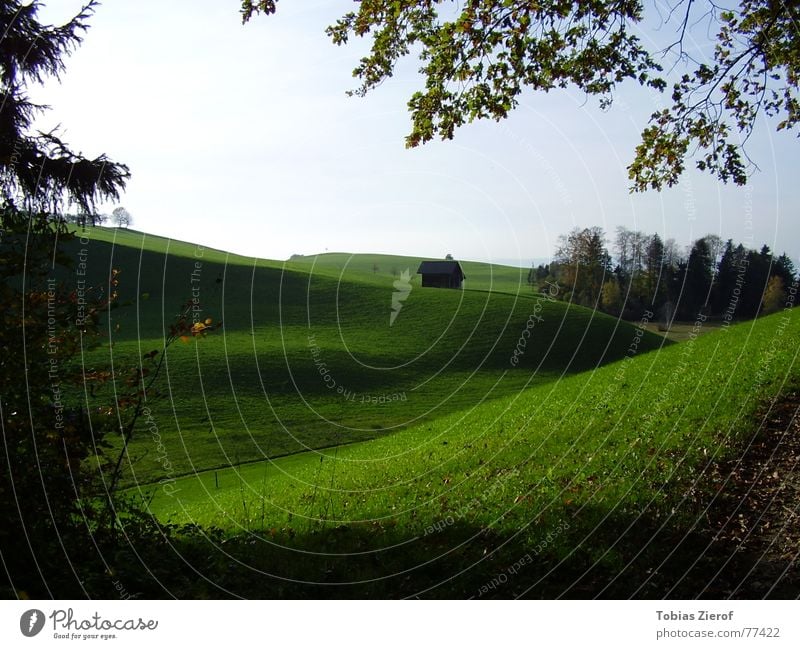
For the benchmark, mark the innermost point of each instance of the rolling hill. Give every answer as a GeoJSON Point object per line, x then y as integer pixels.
{"type": "Point", "coordinates": [308, 356]}
{"type": "Point", "coordinates": [320, 448]}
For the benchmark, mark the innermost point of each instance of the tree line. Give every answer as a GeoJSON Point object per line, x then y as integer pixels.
{"type": "Point", "coordinates": [120, 217]}
{"type": "Point", "coordinates": [712, 277]}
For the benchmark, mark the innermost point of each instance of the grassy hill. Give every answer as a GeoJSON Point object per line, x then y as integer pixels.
{"type": "Point", "coordinates": [330, 451]}
{"type": "Point", "coordinates": [377, 268]}
{"type": "Point", "coordinates": [308, 357]}
{"type": "Point", "coordinates": [608, 472]}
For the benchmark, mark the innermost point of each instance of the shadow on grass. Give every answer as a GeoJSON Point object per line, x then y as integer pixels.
{"type": "Point", "coordinates": [622, 558]}
{"type": "Point", "coordinates": [736, 537]}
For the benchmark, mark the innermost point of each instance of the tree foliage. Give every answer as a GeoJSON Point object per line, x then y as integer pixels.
{"type": "Point", "coordinates": [698, 277]}
{"type": "Point", "coordinates": [65, 422]}
{"type": "Point", "coordinates": [122, 218]}
{"type": "Point", "coordinates": [50, 448]}
{"type": "Point", "coordinates": [38, 170]}
{"type": "Point", "coordinates": [723, 281]}
{"type": "Point", "coordinates": [774, 295]}
{"type": "Point", "coordinates": [584, 265]}
{"type": "Point", "coordinates": [46, 437]}
{"type": "Point", "coordinates": [478, 56]}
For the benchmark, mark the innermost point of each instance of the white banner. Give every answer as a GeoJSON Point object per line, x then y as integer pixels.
{"type": "Point", "coordinates": [376, 624]}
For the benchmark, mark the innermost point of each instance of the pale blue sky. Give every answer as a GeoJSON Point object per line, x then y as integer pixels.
{"type": "Point", "coordinates": [241, 137]}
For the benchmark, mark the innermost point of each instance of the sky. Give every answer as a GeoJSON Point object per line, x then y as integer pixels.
{"type": "Point", "coordinates": [241, 137]}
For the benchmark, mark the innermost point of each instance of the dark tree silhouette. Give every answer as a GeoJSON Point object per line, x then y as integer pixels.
{"type": "Point", "coordinates": [655, 270]}
{"type": "Point", "coordinates": [39, 171]}
{"type": "Point", "coordinates": [47, 484]}
{"type": "Point", "coordinates": [699, 273]}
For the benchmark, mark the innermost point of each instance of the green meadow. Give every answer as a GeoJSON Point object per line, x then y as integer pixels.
{"type": "Point", "coordinates": [179, 421]}
{"type": "Point", "coordinates": [309, 427]}
{"type": "Point", "coordinates": [307, 357]}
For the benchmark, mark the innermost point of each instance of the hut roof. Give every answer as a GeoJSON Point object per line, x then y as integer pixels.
{"type": "Point", "coordinates": [440, 268]}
